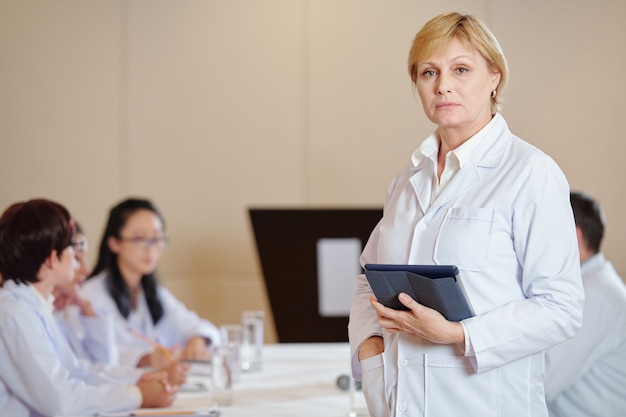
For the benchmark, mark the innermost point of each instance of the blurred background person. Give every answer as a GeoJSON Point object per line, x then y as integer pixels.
{"type": "Point", "coordinates": [76, 315]}
{"type": "Point", "coordinates": [92, 336]}
{"type": "Point", "coordinates": [39, 373]}
{"type": "Point", "coordinates": [586, 375]}
{"type": "Point", "coordinates": [146, 315]}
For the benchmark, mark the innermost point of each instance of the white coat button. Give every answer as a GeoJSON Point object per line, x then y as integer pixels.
{"type": "Point", "coordinates": [421, 226]}
{"type": "Point", "coordinates": [403, 363]}
{"type": "Point", "coordinates": [402, 407]}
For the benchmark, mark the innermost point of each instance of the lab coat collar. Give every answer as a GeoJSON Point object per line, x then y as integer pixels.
{"type": "Point", "coordinates": [30, 295]}
{"type": "Point", "coordinates": [42, 307]}
{"type": "Point", "coordinates": [429, 148]}
{"type": "Point", "coordinates": [489, 153]}
{"type": "Point", "coordinates": [593, 262]}
{"type": "Point", "coordinates": [46, 305]}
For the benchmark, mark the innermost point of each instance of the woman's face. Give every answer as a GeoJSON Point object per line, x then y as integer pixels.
{"type": "Point", "coordinates": [81, 265]}
{"type": "Point", "coordinates": [65, 267]}
{"type": "Point", "coordinates": [454, 85]}
{"type": "Point", "coordinates": [140, 245]}
{"type": "Point", "coordinates": [80, 253]}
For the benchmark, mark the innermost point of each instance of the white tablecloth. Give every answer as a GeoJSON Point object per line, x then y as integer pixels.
{"type": "Point", "coordinates": [296, 380]}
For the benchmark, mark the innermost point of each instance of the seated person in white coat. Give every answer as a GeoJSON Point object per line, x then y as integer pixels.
{"type": "Point", "coordinates": [39, 373]}
{"type": "Point", "coordinates": [91, 335]}
{"type": "Point", "coordinates": [586, 376]}
{"type": "Point", "coordinates": [76, 315]}
{"type": "Point", "coordinates": [124, 283]}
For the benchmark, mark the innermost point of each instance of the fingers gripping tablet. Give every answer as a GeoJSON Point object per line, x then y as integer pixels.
{"type": "Point", "coordinates": [435, 286]}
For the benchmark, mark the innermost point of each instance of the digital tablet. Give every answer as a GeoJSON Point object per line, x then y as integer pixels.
{"type": "Point", "coordinates": [429, 271]}
{"type": "Point", "coordinates": [435, 286]}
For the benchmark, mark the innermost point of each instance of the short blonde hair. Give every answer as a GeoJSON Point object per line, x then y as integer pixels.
{"type": "Point", "coordinates": [438, 31]}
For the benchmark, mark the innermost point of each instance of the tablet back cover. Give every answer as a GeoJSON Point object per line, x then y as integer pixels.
{"type": "Point", "coordinates": [443, 294]}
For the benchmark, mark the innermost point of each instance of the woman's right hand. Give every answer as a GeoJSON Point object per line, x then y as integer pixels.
{"type": "Point", "coordinates": [158, 359]}
{"type": "Point", "coordinates": [371, 347]}
{"type": "Point", "coordinates": [176, 373]}
{"type": "Point", "coordinates": [156, 391]}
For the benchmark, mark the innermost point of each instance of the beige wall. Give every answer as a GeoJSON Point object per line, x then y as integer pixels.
{"type": "Point", "coordinates": [211, 107]}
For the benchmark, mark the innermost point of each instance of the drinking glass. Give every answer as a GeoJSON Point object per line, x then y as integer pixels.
{"type": "Point", "coordinates": [252, 343]}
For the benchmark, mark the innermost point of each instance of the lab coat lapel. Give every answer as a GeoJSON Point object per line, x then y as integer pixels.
{"type": "Point", "coordinates": [422, 185]}
{"type": "Point", "coordinates": [26, 294]}
{"type": "Point", "coordinates": [463, 182]}
{"type": "Point", "coordinates": [487, 154]}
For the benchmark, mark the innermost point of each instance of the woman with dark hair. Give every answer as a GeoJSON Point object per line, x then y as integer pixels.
{"type": "Point", "coordinates": [39, 373]}
{"type": "Point", "coordinates": [76, 316]}
{"type": "Point", "coordinates": [91, 333]}
{"type": "Point", "coordinates": [124, 282]}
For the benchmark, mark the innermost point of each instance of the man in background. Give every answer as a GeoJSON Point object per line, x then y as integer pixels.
{"type": "Point", "coordinates": [586, 375]}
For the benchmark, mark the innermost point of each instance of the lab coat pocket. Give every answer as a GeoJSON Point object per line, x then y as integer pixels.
{"type": "Point", "coordinates": [374, 386]}
{"type": "Point", "coordinates": [453, 388]}
{"type": "Point", "coordinates": [464, 238]}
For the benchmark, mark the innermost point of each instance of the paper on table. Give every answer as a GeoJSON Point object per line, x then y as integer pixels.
{"type": "Point", "coordinates": [146, 412]}
{"type": "Point", "coordinates": [194, 386]}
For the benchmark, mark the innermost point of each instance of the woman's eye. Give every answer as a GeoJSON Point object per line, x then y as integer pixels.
{"type": "Point", "coordinates": [428, 73]}
{"type": "Point", "coordinates": [462, 70]}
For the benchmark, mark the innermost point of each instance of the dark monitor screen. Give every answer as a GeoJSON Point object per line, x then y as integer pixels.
{"type": "Point", "coordinates": [290, 243]}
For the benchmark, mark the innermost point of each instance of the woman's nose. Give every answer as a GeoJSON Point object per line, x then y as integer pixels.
{"type": "Point", "coordinates": [443, 85]}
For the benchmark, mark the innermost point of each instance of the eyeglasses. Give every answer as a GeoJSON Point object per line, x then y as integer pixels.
{"type": "Point", "coordinates": [147, 242]}
{"type": "Point", "coordinates": [79, 245]}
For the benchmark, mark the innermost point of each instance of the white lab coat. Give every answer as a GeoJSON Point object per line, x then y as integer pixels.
{"type": "Point", "coordinates": [505, 220]}
{"type": "Point", "coordinates": [586, 375]}
{"type": "Point", "coordinates": [39, 373]}
{"type": "Point", "coordinates": [91, 338]}
{"type": "Point", "coordinates": [177, 325]}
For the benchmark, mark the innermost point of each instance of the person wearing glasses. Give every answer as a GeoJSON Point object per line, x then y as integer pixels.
{"type": "Point", "coordinates": [76, 315]}
{"type": "Point", "coordinates": [39, 373]}
{"type": "Point", "coordinates": [151, 326]}
{"type": "Point", "coordinates": [91, 334]}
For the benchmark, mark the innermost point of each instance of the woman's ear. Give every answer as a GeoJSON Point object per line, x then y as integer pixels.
{"type": "Point", "coordinates": [114, 244]}
{"type": "Point", "coordinates": [497, 76]}
{"type": "Point", "coordinates": [49, 261]}
{"type": "Point", "coordinates": [48, 264]}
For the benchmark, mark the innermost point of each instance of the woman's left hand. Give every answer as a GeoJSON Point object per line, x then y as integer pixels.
{"type": "Point", "coordinates": [419, 320]}
{"type": "Point", "coordinates": [176, 373]}
{"type": "Point", "coordinates": [66, 295]}
{"type": "Point", "coordinates": [196, 349]}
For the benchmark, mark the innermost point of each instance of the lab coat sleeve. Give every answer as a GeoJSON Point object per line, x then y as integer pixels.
{"type": "Point", "coordinates": [99, 340]}
{"type": "Point", "coordinates": [568, 361]}
{"type": "Point", "coordinates": [32, 371]}
{"type": "Point", "coordinates": [98, 373]}
{"type": "Point", "coordinates": [179, 324]}
{"type": "Point", "coordinates": [546, 247]}
{"type": "Point", "coordinates": [363, 321]}
{"type": "Point", "coordinates": [126, 349]}
{"type": "Point", "coordinates": [603, 331]}
{"type": "Point", "coordinates": [91, 338]}
{"type": "Point", "coordinates": [119, 374]}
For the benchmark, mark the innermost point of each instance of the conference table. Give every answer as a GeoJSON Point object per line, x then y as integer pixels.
{"type": "Point", "coordinates": [296, 379]}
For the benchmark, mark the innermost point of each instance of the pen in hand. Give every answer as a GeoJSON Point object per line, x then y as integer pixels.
{"type": "Point", "coordinates": [157, 346]}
